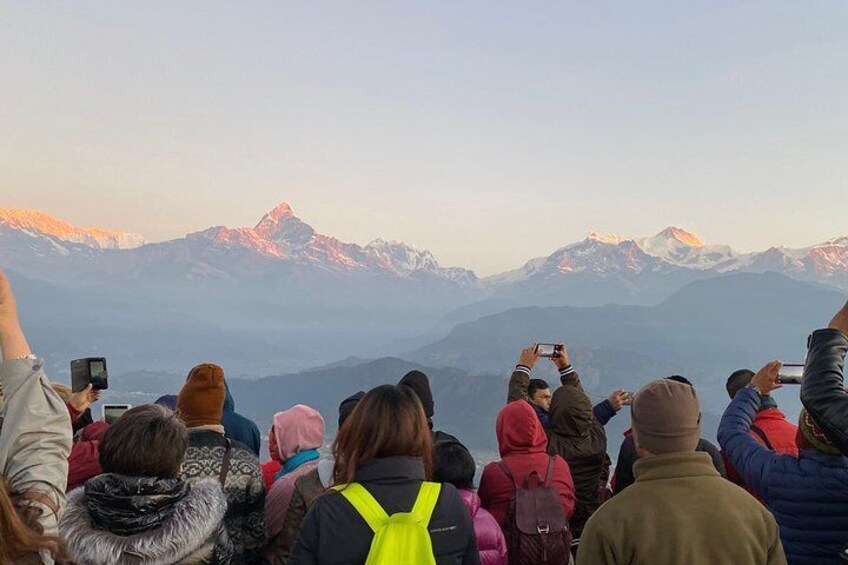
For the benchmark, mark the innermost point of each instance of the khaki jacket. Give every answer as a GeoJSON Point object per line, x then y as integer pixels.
{"type": "Point", "coordinates": [680, 510]}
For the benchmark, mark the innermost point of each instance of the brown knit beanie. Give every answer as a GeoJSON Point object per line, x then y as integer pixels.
{"type": "Point", "coordinates": [666, 417]}
{"type": "Point", "coordinates": [201, 400]}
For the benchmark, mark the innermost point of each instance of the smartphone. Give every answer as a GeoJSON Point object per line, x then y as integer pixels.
{"type": "Point", "coordinates": [791, 374]}
{"type": "Point", "coordinates": [112, 412]}
{"type": "Point", "coordinates": [90, 370]}
{"type": "Point", "coordinates": [548, 350]}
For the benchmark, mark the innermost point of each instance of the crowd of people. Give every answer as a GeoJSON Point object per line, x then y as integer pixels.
{"type": "Point", "coordinates": [180, 481]}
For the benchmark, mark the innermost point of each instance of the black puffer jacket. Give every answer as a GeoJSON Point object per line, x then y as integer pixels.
{"type": "Point", "coordinates": [333, 532]}
{"type": "Point", "coordinates": [822, 390]}
{"type": "Point", "coordinates": [116, 519]}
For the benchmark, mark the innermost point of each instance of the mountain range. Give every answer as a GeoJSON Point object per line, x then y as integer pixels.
{"type": "Point", "coordinates": [314, 298]}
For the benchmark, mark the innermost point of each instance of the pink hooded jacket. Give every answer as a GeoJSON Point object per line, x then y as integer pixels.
{"type": "Point", "coordinates": [298, 429]}
{"type": "Point", "coordinates": [490, 537]}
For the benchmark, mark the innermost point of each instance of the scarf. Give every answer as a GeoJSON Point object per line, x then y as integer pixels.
{"type": "Point", "coordinates": [296, 461]}
{"type": "Point", "coordinates": [131, 505]}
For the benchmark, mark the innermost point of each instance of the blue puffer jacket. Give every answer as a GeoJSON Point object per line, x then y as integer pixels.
{"type": "Point", "coordinates": [808, 496]}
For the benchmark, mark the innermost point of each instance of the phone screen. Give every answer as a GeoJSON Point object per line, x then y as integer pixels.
{"type": "Point", "coordinates": [791, 374]}
{"type": "Point", "coordinates": [112, 412]}
{"type": "Point", "coordinates": [546, 349]}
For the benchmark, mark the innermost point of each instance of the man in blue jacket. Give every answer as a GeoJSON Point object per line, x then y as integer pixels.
{"type": "Point", "coordinates": [237, 427]}
{"type": "Point", "coordinates": [808, 495]}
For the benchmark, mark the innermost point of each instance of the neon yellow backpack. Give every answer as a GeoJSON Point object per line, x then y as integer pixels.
{"type": "Point", "coordinates": [402, 538]}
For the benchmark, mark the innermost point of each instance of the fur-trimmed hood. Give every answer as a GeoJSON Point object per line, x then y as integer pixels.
{"type": "Point", "coordinates": [188, 535]}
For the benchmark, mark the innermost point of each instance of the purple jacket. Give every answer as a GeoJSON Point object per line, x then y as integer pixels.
{"type": "Point", "coordinates": [490, 538]}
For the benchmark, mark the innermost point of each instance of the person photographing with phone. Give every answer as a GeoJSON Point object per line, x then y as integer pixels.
{"type": "Point", "coordinates": [574, 433]}
{"type": "Point", "coordinates": [808, 495]}
{"type": "Point", "coordinates": [35, 441]}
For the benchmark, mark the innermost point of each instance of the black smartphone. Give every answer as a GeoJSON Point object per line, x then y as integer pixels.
{"type": "Point", "coordinates": [548, 349]}
{"type": "Point", "coordinates": [791, 374]}
{"type": "Point", "coordinates": [90, 370]}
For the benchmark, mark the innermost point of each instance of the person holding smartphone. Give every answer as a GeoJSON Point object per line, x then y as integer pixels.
{"type": "Point", "coordinates": [35, 441]}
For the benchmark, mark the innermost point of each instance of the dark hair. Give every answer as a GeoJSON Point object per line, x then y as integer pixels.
{"type": "Point", "coordinates": [146, 441]}
{"type": "Point", "coordinates": [21, 535]}
{"type": "Point", "coordinates": [389, 421]}
{"type": "Point", "coordinates": [453, 463]}
{"type": "Point", "coordinates": [679, 379]}
{"type": "Point", "coordinates": [738, 380]}
{"type": "Point", "coordinates": [535, 386]}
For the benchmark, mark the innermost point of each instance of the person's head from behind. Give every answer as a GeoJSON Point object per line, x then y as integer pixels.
{"type": "Point", "coordinates": [539, 393]}
{"type": "Point", "coordinates": [298, 429]}
{"type": "Point", "coordinates": [737, 381]}
{"type": "Point", "coordinates": [146, 441]}
{"type": "Point", "coordinates": [201, 400]}
{"type": "Point", "coordinates": [388, 422]}
{"type": "Point", "coordinates": [419, 384]}
{"type": "Point", "coordinates": [453, 464]}
{"type": "Point", "coordinates": [666, 418]}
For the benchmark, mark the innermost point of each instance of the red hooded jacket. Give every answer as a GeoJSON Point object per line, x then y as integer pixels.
{"type": "Point", "coordinates": [523, 446]}
{"type": "Point", "coordinates": [272, 467]}
{"type": "Point", "coordinates": [84, 460]}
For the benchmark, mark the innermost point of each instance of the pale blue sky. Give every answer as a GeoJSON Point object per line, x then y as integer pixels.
{"type": "Point", "coordinates": [489, 132]}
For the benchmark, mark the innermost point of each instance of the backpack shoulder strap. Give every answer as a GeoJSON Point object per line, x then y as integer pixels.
{"type": "Point", "coordinates": [365, 504]}
{"type": "Point", "coordinates": [425, 504]}
{"type": "Point", "coordinates": [505, 470]}
{"type": "Point", "coordinates": [225, 463]}
{"type": "Point", "coordinates": [757, 430]}
{"type": "Point", "coordinates": [550, 475]}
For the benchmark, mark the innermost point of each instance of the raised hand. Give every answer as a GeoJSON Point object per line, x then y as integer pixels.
{"type": "Point", "coordinates": [12, 339]}
{"type": "Point", "coordinates": [528, 357]}
{"type": "Point", "coordinates": [561, 359]}
{"type": "Point", "coordinates": [83, 399]}
{"type": "Point", "coordinates": [766, 378]}
{"type": "Point", "coordinates": [840, 321]}
{"type": "Point", "coordinates": [618, 399]}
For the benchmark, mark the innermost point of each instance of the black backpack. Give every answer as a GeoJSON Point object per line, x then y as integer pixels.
{"type": "Point", "coordinates": [536, 529]}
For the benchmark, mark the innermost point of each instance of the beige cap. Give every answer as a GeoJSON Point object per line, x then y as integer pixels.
{"type": "Point", "coordinates": [666, 417]}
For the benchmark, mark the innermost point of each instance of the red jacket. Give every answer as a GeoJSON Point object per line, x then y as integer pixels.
{"type": "Point", "coordinates": [523, 446]}
{"type": "Point", "coordinates": [272, 467]}
{"type": "Point", "coordinates": [780, 434]}
{"type": "Point", "coordinates": [84, 460]}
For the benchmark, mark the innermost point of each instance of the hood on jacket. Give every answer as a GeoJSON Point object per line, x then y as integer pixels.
{"type": "Point", "coordinates": [168, 401]}
{"type": "Point", "coordinates": [571, 414]}
{"type": "Point", "coordinates": [194, 519]}
{"type": "Point", "coordinates": [273, 451]}
{"type": "Point", "coordinates": [420, 385]}
{"type": "Point", "coordinates": [300, 428]}
{"type": "Point", "coordinates": [229, 401]}
{"type": "Point", "coordinates": [519, 431]}
{"type": "Point", "coordinates": [471, 500]}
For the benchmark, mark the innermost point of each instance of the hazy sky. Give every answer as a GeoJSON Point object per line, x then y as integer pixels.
{"type": "Point", "coordinates": [487, 131]}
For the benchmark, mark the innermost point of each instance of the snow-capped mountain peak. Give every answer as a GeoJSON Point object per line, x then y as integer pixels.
{"type": "Point", "coordinates": [38, 223]}
{"type": "Point", "coordinates": [602, 237]}
{"type": "Point", "coordinates": [680, 235]}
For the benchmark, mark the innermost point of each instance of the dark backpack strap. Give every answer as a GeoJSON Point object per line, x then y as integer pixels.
{"type": "Point", "coordinates": [505, 470]}
{"type": "Point", "coordinates": [225, 463]}
{"type": "Point", "coordinates": [757, 430]}
{"type": "Point", "coordinates": [550, 476]}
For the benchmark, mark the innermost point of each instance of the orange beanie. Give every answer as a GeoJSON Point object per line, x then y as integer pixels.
{"type": "Point", "coordinates": [201, 400]}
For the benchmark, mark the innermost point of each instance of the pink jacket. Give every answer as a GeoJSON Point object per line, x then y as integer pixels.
{"type": "Point", "coordinates": [297, 430]}
{"type": "Point", "coordinates": [490, 538]}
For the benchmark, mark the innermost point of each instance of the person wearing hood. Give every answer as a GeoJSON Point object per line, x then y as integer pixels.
{"type": "Point", "coordinates": [808, 495]}
{"type": "Point", "coordinates": [139, 510]}
{"type": "Point", "coordinates": [273, 466]}
{"type": "Point", "coordinates": [237, 427]}
{"type": "Point", "coordinates": [210, 454]}
{"type": "Point", "coordinates": [300, 433]}
{"type": "Point", "coordinates": [453, 464]}
{"type": "Point", "coordinates": [419, 383]}
{"type": "Point", "coordinates": [575, 434]}
{"type": "Point", "coordinates": [306, 489]}
{"type": "Point", "coordinates": [523, 446]}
